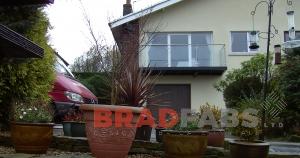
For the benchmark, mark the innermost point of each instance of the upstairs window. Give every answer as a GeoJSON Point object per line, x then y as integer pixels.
{"type": "Point", "coordinates": [240, 42]}
{"type": "Point", "coordinates": [287, 38]}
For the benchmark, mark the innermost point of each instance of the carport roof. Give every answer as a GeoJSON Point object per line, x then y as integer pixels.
{"type": "Point", "coordinates": [25, 2]}
{"type": "Point", "coordinates": [14, 45]}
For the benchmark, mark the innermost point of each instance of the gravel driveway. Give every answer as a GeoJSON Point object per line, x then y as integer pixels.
{"type": "Point", "coordinates": [10, 153]}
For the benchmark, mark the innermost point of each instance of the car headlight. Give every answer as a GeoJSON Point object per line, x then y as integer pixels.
{"type": "Point", "coordinates": [74, 97]}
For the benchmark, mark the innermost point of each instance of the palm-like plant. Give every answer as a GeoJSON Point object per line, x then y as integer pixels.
{"type": "Point", "coordinates": [128, 84]}
{"type": "Point", "coordinates": [135, 85]}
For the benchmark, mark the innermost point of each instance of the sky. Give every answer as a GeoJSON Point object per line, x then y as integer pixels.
{"type": "Point", "coordinates": [70, 36]}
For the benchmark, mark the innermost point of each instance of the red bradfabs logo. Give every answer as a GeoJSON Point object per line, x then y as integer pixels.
{"type": "Point", "coordinates": [105, 118]}
{"type": "Point", "coordinates": [168, 118]}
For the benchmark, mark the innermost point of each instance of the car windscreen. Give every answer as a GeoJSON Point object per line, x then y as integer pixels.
{"type": "Point", "coordinates": [61, 68]}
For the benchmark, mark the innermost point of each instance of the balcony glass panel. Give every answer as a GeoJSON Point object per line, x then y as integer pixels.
{"type": "Point", "coordinates": [210, 55]}
{"type": "Point", "coordinates": [158, 56]}
{"type": "Point", "coordinates": [182, 50]}
{"type": "Point", "coordinates": [179, 56]}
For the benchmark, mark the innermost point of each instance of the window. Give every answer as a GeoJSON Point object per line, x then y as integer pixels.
{"type": "Point", "coordinates": [240, 42]}
{"type": "Point", "coordinates": [287, 38]}
{"type": "Point", "coordinates": [180, 49]}
{"type": "Point", "coordinates": [158, 52]}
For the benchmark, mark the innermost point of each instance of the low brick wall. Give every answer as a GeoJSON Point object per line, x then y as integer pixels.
{"type": "Point", "coordinates": [138, 147]}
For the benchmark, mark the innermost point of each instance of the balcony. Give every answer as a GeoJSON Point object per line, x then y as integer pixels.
{"type": "Point", "coordinates": [184, 59]}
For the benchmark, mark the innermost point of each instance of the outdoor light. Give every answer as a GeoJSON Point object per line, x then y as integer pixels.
{"type": "Point", "coordinates": [277, 49]}
{"type": "Point", "coordinates": [253, 40]}
{"type": "Point", "coordinates": [291, 25]}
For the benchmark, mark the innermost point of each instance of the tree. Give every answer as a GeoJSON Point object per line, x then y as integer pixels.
{"type": "Point", "coordinates": [290, 85]}
{"type": "Point", "coordinates": [241, 83]}
{"type": "Point", "coordinates": [95, 60]}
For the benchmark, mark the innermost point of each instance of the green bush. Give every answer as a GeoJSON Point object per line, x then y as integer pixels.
{"type": "Point", "coordinates": [31, 79]}
{"type": "Point", "coordinates": [241, 88]}
{"type": "Point", "coordinates": [95, 82]}
{"type": "Point", "coordinates": [241, 83]}
{"type": "Point", "coordinates": [294, 138]}
{"type": "Point", "coordinates": [290, 84]}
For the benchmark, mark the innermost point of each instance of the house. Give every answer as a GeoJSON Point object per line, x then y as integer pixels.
{"type": "Point", "coordinates": [193, 43]}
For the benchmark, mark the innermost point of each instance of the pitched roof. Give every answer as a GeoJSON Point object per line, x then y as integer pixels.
{"type": "Point", "coordinates": [143, 12]}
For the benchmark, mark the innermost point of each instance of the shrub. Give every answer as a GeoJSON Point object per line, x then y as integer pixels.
{"type": "Point", "coordinates": [247, 133]}
{"type": "Point", "coordinates": [95, 82]}
{"type": "Point", "coordinates": [241, 88]}
{"type": "Point", "coordinates": [240, 83]}
{"type": "Point", "coordinates": [216, 111]}
{"type": "Point", "coordinates": [290, 85]}
{"type": "Point", "coordinates": [33, 78]}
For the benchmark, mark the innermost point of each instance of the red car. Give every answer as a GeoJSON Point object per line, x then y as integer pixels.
{"type": "Point", "coordinates": [68, 92]}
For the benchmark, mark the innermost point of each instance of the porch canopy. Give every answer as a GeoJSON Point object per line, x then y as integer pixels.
{"type": "Point", "coordinates": [25, 2]}
{"type": "Point", "coordinates": [14, 45]}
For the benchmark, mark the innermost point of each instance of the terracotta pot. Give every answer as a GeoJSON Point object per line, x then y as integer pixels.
{"type": "Point", "coordinates": [244, 149]}
{"type": "Point", "coordinates": [31, 138]}
{"type": "Point", "coordinates": [184, 144]}
{"type": "Point", "coordinates": [67, 128]}
{"type": "Point", "coordinates": [110, 142]}
{"type": "Point", "coordinates": [78, 129]}
{"type": "Point", "coordinates": [215, 138]}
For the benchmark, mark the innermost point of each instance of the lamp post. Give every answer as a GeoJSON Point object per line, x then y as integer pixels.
{"type": "Point", "coordinates": [270, 4]}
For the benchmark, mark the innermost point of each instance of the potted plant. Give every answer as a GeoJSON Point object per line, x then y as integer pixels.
{"type": "Point", "coordinates": [185, 142]}
{"type": "Point", "coordinates": [67, 123]}
{"type": "Point", "coordinates": [247, 146]}
{"type": "Point", "coordinates": [78, 126]}
{"type": "Point", "coordinates": [159, 133]}
{"type": "Point", "coordinates": [31, 127]}
{"type": "Point", "coordinates": [130, 88]}
{"type": "Point", "coordinates": [74, 124]}
{"type": "Point", "coordinates": [215, 136]}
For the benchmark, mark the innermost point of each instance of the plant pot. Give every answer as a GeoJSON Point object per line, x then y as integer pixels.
{"type": "Point", "coordinates": [78, 129]}
{"type": "Point", "coordinates": [67, 128]}
{"type": "Point", "coordinates": [179, 144]}
{"type": "Point", "coordinates": [143, 133]}
{"type": "Point", "coordinates": [215, 138]}
{"type": "Point", "coordinates": [159, 134]}
{"type": "Point", "coordinates": [31, 138]}
{"type": "Point", "coordinates": [244, 149]}
{"type": "Point", "coordinates": [110, 142]}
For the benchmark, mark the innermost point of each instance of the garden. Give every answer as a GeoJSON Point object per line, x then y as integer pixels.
{"type": "Point", "coordinates": [122, 125]}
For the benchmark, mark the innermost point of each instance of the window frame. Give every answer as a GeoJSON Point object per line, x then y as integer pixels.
{"type": "Point", "coordinates": [169, 45]}
{"type": "Point", "coordinates": [249, 51]}
{"type": "Point", "coordinates": [287, 32]}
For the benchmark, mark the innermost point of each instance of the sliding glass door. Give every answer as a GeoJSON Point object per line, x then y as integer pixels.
{"type": "Point", "coordinates": [181, 49]}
